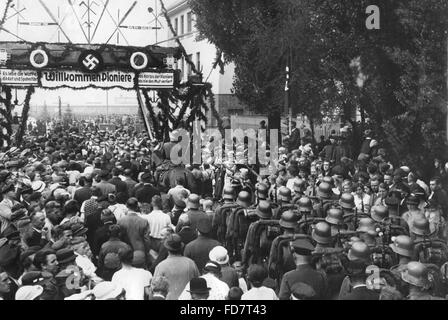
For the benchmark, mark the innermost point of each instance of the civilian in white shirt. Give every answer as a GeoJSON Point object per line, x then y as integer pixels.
{"type": "Point", "coordinates": [218, 289]}
{"type": "Point", "coordinates": [158, 220]}
{"type": "Point", "coordinates": [256, 275]}
{"type": "Point", "coordinates": [134, 281]}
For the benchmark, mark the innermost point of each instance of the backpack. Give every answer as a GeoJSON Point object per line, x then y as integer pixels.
{"type": "Point", "coordinates": [431, 252]}
{"type": "Point", "coordinates": [221, 220]}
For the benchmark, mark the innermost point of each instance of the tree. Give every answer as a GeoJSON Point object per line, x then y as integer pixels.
{"type": "Point", "coordinates": [404, 91]}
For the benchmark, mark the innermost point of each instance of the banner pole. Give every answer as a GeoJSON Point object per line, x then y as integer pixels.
{"type": "Point", "coordinates": [144, 114]}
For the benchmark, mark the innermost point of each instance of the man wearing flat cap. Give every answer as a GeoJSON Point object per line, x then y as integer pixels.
{"type": "Point", "coordinates": [304, 272]}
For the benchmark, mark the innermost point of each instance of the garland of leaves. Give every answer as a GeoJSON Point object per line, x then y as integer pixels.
{"type": "Point", "coordinates": [6, 117]}
{"type": "Point", "coordinates": [25, 111]}
{"type": "Point", "coordinates": [208, 93]}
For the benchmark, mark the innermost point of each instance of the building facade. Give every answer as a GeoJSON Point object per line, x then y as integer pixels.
{"type": "Point", "coordinates": [203, 54]}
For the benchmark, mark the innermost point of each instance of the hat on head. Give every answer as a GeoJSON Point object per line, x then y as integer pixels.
{"type": "Point", "coordinates": [65, 255]}
{"type": "Point", "coordinates": [106, 290]}
{"type": "Point", "coordinates": [421, 227]}
{"type": "Point", "coordinates": [302, 291]}
{"type": "Point", "coordinates": [335, 216]}
{"type": "Point", "coordinates": [219, 254]}
{"type": "Point", "coordinates": [416, 274]}
{"type": "Point", "coordinates": [302, 247]}
{"type": "Point", "coordinates": [379, 213]}
{"type": "Point", "coordinates": [212, 266]}
{"type": "Point", "coordinates": [289, 220]}
{"type": "Point", "coordinates": [228, 193]}
{"type": "Point", "coordinates": [403, 245]}
{"type": "Point", "coordinates": [173, 242]}
{"type": "Point", "coordinates": [35, 277]}
{"type": "Point", "coordinates": [199, 286]}
{"type": "Point", "coordinates": [29, 292]}
{"type": "Point", "coordinates": [305, 204]}
{"type": "Point", "coordinates": [264, 210]}
{"type": "Point", "coordinates": [347, 201]}
{"type": "Point", "coordinates": [78, 229]}
{"type": "Point", "coordinates": [284, 194]}
{"type": "Point", "coordinates": [322, 233]}
{"type": "Point", "coordinates": [204, 225]}
{"type": "Point", "coordinates": [359, 252]}
{"type": "Point", "coordinates": [366, 225]}
{"type": "Point", "coordinates": [244, 199]}
{"type": "Point", "coordinates": [324, 190]}
{"type": "Point", "coordinates": [193, 201]}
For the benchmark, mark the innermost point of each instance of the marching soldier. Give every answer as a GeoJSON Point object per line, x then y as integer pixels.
{"type": "Point", "coordinates": [260, 236]}
{"type": "Point", "coordinates": [327, 258]}
{"type": "Point", "coordinates": [222, 213]}
{"type": "Point", "coordinates": [324, 199]}
{"type": "Point", "coordinates": [280, 256]}
{"type": "Point", "coordinates": [238, 225]}
{"type": "Point", "coordinates": [283, 202]}
{"type": "Point", "coordinates": [416, 275]}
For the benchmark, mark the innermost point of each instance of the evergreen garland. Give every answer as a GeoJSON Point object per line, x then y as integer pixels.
{"type": "Point", "coordinates": [25, 112]}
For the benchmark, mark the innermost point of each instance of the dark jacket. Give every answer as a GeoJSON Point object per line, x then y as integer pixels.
{"type": "Point", "coordinates": [101, 236]}
{"type": "Point", "coordinates": [83, 194]}
{"type": "Point", "coordinates": [145, 193]}
{"type": "Point", "coordinates": [305, 274]}
{"type": "Point", "coordinates": [361, 293]}
{"type": "Point", "coordinates": [134, 230]}
{"type": "Point", "coordinates": [198, 250]}
{"type": "Point", "coordinates": [229, 276]}
{"type": "Point", "coordinates": [120, 185]}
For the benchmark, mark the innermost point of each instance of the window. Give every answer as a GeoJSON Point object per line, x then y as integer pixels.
{"type": "Point", "coordinates": [176, 22]}
{"type": "Point", "coordinates": [198, 61]}
{"type": "Point", "coordinates": [189, 21]}
{"type": "Point", "coordinates": [190, 57]}
{"type": "Point", "coordinates": [182, 24]}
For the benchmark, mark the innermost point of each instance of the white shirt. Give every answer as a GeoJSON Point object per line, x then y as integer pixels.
{"type": "Point", "coordinates": [218, 289]}
{"type": "Point", "coordinates": [119, 210]}
{"type": "Point", "coordinates": [133, 280]}
{"type": "Point", "coordinates": [262, 293]}
{"type": "Point", "coordinates": [158, 220]}
{"type": "Point", "coordinates": [359, 203]}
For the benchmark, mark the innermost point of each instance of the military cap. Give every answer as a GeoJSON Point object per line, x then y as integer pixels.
{"type": "Point", "coordinates": [302, 247]}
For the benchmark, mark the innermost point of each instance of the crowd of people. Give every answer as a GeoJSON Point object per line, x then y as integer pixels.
{"type": "Point", "coordinates": [87, 214]}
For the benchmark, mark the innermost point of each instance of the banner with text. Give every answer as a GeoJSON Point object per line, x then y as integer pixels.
{"type": "Point", "coordinates": [18, 77]}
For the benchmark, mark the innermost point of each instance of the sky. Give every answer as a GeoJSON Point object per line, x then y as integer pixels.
{"type": "Point", "coordinates": [65, 14]}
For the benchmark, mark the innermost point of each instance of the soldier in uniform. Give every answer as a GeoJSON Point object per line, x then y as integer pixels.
{"type": "Point", "coordinates": [324, 194]}
{"type": "Point", "coordinates": [280, 256]}
{"type": "Point", "coordinates": [283, 202]}
{"type": "Point", "coordinates": [413, 211]}
{"type": "Point", "coordinates": [305, 213]}
{"type": "Point", "coordinates": [222, 213]}
{"type": "Point", "coordinates": [238, 225]}
{"type": "Point", "coordinates": [258, 244]}
{"type": "Point", "coordinates": [304, 272]}
{"type": "Point", "coordinates": [416, 275]}
{"type": "Point", "coordinates": [326, 258]}
{"type": "Point", "coordinates": [359, 253]}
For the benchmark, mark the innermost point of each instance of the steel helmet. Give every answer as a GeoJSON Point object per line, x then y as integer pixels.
{"type": "Point", "coordinates": [322, 233]}
{"type": "Point", "coordinates": [284, 194]}
{"type": "Point", "coordinates": [359, 252]}
{"type": "Point", "coordinates": [289, 220]}
{"type": "Point", "coordinates": [403, 245]}
{"type": "Point", "coordinates": [335, 216]}
{"type": "Point", "coordinates": [379, 213]}
{"type": "Point", "coordinates": [347, 201]}
{"type": "Point", "coordinates": [264, 210]}
{"type": "Point", "coordinates": [244, 199]}
{"type": "Point", "coordinates": [228, 193]}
